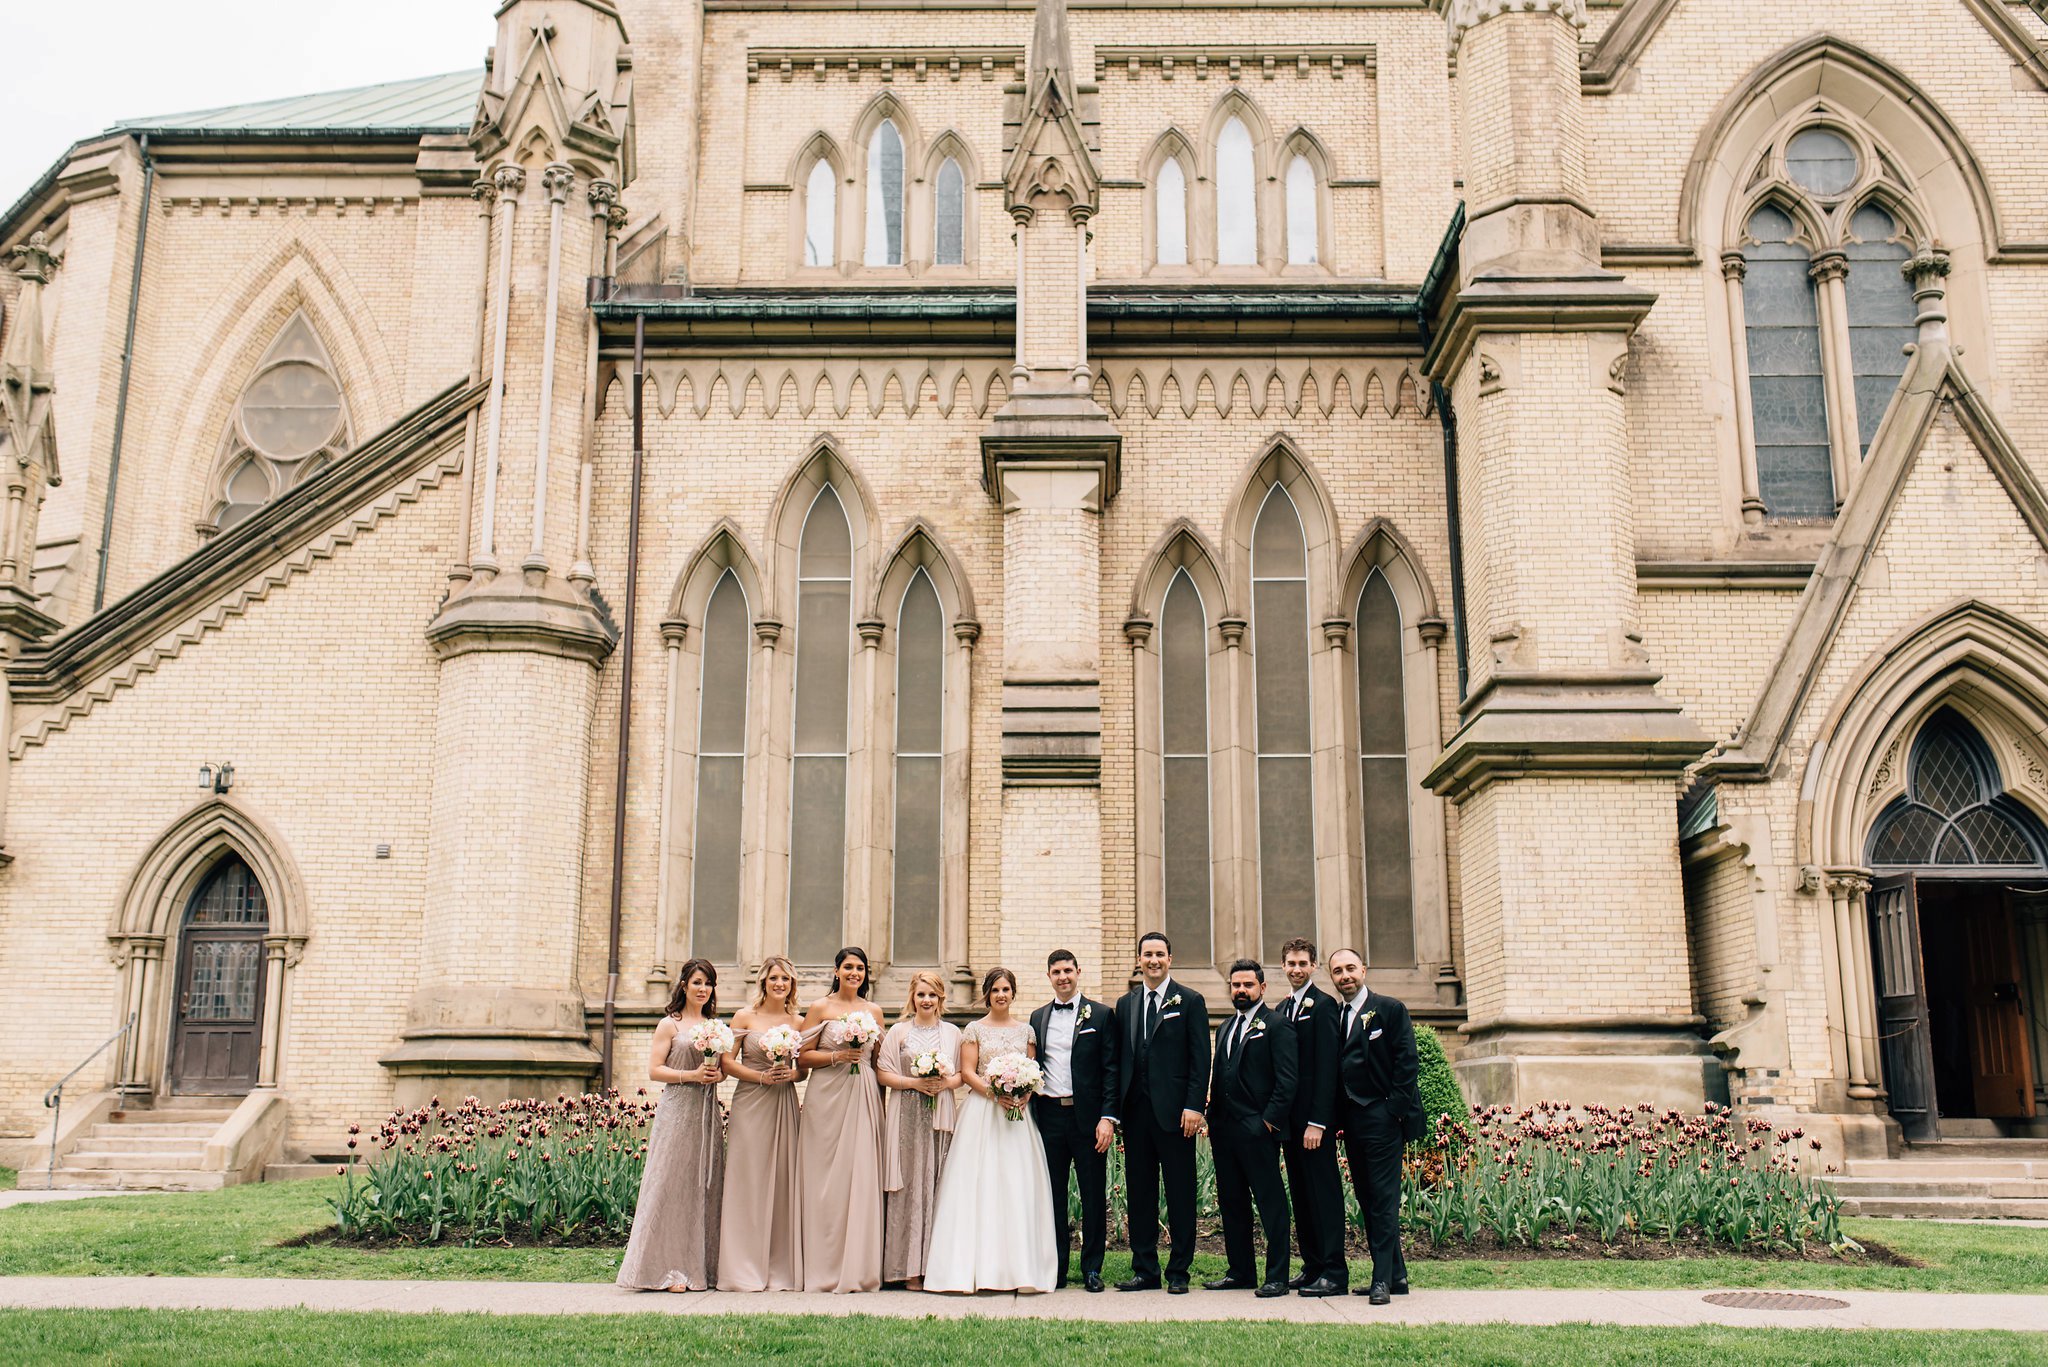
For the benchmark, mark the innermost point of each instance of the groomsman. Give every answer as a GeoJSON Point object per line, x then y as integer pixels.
{"type": "Point", "coordinates": [1163, 1082]}
{"type": "Point", "coordinates": [1251, 1098]}
{"type": "Point", "coordinates": [1076, 1110]}
{"type": "Point", "coordinates": [1311, 1148]}
{"type": "Point", "coordinates": [1378, 1096]}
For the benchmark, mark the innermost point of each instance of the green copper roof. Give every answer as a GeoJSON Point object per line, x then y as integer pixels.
{"type": "Point", "coordinates": [428, 102]}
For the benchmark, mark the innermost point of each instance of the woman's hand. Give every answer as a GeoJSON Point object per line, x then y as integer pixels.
{"type": "Point", "coordinates": [1012, 1104]}
{"type": "Point", "coordinates": [779, 1074]}
{"type": "Point", "coordinates": [846, 1056]}
{"type": "Point", "coordinates": [709, 1073]}
{"type": "Point", "coordinates": [931, 1086]}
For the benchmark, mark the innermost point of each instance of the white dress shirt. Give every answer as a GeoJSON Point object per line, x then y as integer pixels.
{"type": "Point", "coordinates": [1234, 1041]}
{"type": "Point", "coordinates": [1060, 1027]}
{"type": "Point", "coordinates": [1296, 997]}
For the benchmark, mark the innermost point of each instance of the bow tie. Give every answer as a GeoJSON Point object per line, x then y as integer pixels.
{"type": "Point", "coordinates": [1062, 1006]}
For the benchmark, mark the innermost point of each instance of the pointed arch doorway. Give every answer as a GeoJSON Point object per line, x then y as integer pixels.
{"type": "Point", "coordinates": [1956, 910]}
{"type": "Point", "coordinates": [216, 1034]}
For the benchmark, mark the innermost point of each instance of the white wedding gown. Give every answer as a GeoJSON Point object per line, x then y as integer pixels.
{"type": "Point", "coordinates": [992, 1229]}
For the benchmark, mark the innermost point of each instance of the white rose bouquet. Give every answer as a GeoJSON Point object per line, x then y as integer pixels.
{"type": "Point", "coordinates": [1014, 1077]}
{"type": "Point", "coordinates": [712, 1038]}
{"type": "Point", "coordinates": [781, 1043]}
{"type": "Point", "coordinates": [861, 1031]}
{"type": "Point", "coordinates": [928, 1064]}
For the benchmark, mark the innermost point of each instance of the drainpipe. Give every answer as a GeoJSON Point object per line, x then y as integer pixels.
{"type": "Point", "coordinates": [1449, 419]}
{"type": "Point", "coordinates": [611, 980]}
{"type": "Point", "coordinates": [99, 588]}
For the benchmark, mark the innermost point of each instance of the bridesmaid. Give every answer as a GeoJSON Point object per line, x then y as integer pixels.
{"type": "Point", "coordinates": [675, 1225]}
{"type": "Point", "coordinates": [917, 1127]}
{"type": "Point", "coordinates": [840, 1142]}
{"type": "Point", "coordinates": [761, 1250]}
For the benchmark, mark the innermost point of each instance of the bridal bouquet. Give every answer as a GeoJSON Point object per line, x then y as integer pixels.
{"type": "Point", "coordinates": [928, 1064]}
{"type": "Point", "coordinates": [861, 1031]}
{"type": "Point", "coordinates": [781, 1043]}
{"type": "Point", "coordinates": [1013, 1076]}
{"type": "Point", "coordinates": [712, 1038]}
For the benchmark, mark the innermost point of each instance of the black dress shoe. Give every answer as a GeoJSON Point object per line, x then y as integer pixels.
{"type": "Point", "coordinates": [1321, 1286]}
{"type": "Point", "coordinates": [1093, 1281]}
{"type": "Point", "coordinates": [1400, 1288]}
{"type": "Point", "coordinates": [1177, 1286]}
{"type": "Point", "coordinates": [1298, 1281]}
{"type": "Point", "coordinates": [1270, 1290]}
{"type": "Point", "coordinates": [1139, 1284]}
{"type": "Point", "coordinates": [1377, 1294]}
{"type": "Point", "coordinates": [1229, 1284]}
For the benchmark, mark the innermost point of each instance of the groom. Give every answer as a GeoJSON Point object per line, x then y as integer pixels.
{"type": "Point", "coordinates": [1164, 1086]}
{"type": "Point", "coordinates": [1076, 1109]}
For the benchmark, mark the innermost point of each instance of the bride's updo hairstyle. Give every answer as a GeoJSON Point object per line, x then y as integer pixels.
{"type": "Point", "coordinates": [867, 974]}
{"type": "Point", "coordinates": [924, 977]}
{"type": "Point", "coordinates": [994, 976]}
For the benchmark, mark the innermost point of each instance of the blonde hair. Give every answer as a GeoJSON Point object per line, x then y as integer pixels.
{"type": "Point", "coordinates": [926, 978]}
{"type": "Point", "coordinates": [768, 965]}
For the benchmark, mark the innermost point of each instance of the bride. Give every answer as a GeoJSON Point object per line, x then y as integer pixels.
{"type": "Point", "coordinates": [992, 1229]}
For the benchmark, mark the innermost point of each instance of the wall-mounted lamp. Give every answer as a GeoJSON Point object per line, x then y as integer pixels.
{"type": "Point", "coordinates": [216, 777]}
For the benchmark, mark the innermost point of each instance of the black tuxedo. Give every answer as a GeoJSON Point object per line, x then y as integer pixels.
{"type": "Point", "coordinates": [1313, 1180]}
{"type": "Point", "coordinates": [1251, 1098]}
{"type": "Point", "coordinates": [1160, 1075]}
{"type": "Point", "coordinates": [1377, 1072]}
{"type": "Point", "coordinates": [1069, 1129]}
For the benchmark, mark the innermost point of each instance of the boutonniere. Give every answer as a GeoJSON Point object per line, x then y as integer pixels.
{"type": "Point", "coordinates": [1258, 1026]}
{"type": "Point", "coordinates": [1174, 1000]}
{"type": "Point", "coordinates": [1366, 1019]}
{"type": "Point", "coordinates": [1086, 1012]}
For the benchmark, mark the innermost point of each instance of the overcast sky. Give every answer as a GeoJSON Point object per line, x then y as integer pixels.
{"type": "Point", "coordinates": [72, 68]}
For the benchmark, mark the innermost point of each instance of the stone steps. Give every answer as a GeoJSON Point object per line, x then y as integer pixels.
{"type": "Point", "coordinates": [1946, 1169]}
{"type": "Point", "coordinates": [1999, 1188]}
{"type": "Point", "coordinates": [68, 1178]}
{"type": "Point", "coordinates": [163, 1148]}
{"type": "Point", "coordinates": [1944, 1208]}
{"type": "Point", "coordinates": [1950, 1179]}
{"type": "Point", "coordinates": [184, 1160]}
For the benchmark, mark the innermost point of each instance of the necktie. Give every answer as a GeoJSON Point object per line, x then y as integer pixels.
{"type": "Point", "coordinates": [1151, 1013]}
{"type": "Point", "coordinates": [1236, 1036]}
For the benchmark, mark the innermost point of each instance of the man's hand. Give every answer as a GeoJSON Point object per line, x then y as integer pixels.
{"type": "Point", "coordinates": [1105, 1134]}
{"type": "Point", "coordinates": [1312, 1138]}
{"type": "Point", "coordinates": [1190, 1124]}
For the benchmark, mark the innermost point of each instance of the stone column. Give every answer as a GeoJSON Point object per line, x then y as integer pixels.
{"type": "Point", "coordinates": [498, 1010]}
{"type": "Point", "coordinates": [1734, 271]}
{"type": "Point", "coordinates": [1847, 888]}
{"type": "Point", "coordinates": [1565, 766]}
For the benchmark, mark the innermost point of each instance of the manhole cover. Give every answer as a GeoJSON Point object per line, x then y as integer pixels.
{"type": "Point", "coordinates": [1774, 1300]}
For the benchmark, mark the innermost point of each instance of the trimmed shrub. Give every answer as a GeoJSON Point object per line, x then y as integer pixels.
{"type": "Point", "coordinates": [1442, 1098]}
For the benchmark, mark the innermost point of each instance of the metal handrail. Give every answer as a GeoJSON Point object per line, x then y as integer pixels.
{"type": "Point", "coordinates": [54, 1099]}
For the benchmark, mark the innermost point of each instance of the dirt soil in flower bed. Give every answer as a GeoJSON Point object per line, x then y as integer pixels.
{"type": "Point", "coordinates": [1210, 1241]}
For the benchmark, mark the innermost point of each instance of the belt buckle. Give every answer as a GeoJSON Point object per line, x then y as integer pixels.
{"type": "Point", "coordinates": [1064, 1100]}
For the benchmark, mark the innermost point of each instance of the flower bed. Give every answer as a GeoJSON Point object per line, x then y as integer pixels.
{"type": "Point", "coordinates": [1552, 1174]}
{"type": "Point", "coordinates": [566, 1170]}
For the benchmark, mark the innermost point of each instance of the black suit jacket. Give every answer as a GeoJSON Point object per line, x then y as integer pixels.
{"type": "Point", "coordinates": [1378, 1060]}
{"type": "Point", "coordinates": [1318, 1035]}
{"type": "Point", "coordinates": [1177, 1061]}
{"type": "Point", "coordinates": [1257, 1081]}
{"type": "Point", "coordinates": [1094, 1061]}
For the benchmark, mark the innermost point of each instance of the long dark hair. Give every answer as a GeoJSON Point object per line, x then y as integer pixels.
{"type": "Point", "coordinates": [867, 972]}
{"type": "Point", "coordinates": [679, 1000]}
{"type": "Point", "coordinates": [994, 976]}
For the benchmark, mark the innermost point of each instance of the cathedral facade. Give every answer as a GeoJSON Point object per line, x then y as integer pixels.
{"type": "Point", "coordinates": [1546, 492]}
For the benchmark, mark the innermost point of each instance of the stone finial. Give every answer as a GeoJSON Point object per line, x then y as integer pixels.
{"type": "Point", "coordinates": [33, 260]}
{"type": "Point", "coordinates": [1052, 163]}
{"type": "Point", "coordinates": [1460, 16]}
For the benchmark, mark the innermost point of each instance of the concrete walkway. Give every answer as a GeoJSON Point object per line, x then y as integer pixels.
{"type": "Point", "coordinates": [1863, 1310]}
{"type": "Point", "coordinates": [39, 1197]}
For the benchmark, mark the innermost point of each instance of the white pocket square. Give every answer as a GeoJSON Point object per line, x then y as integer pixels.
{"type": "Point", "coordinates": [1169, 1016]}
{"type": "Point", "coordinates": [1089, 1031]}
{"type": "Point", "coordinates": [1376, 1034]}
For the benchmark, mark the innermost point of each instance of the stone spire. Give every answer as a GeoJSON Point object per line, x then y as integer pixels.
{"type": "Point", "coordinates": [28, 438]}
{"type": "Point", "coordinates": [1051, 162]}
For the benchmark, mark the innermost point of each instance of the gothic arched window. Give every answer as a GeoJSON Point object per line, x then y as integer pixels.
{"type": "Point", "coordinates": [1237, 197]}
{"type": "Point", "coordinates": [824, 644]}
{"type": "Point", "coordinates": [1954, 811]}
{"type": "Point", "coordinates": [885, 196]}
{"type": "Point", "coordinates": [1301, 212]}
{"type": "Point", "coordinates": [949, 215]}
{"type": "Point", "coordinates": [1787, 391]}
{"type": "Point", "coordinates": [1383, 777]}
{"type": "Point", "coordinates": [1280, 685]}
{"type": "Point", "coordinates": [920, 761]}
{"type": "Point", "coordinates": [821, 214]}
{"type": "Point", "coordinates": [1881, 313]}
{"type": "Point", "coordinates": [721, 774]}
{"type": "Point", "coordinates": [1171, 205]}
{"type": "Point", "coordinates": [1184, 778]}
{"type": "Point", "coordinates": [290, 423]}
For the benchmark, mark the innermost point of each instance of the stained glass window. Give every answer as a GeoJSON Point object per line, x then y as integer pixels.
{"type": "Point", "coordinates": [1789, 400]}
{"type": "Point", "coordinates": [1954, 811]}
{"type": "Point", "coordinates": [289, 424]}
{"type": "Point", "coordinates": [721, 774]}
{"type": "Point", "coordinates": [1184, 752]}
{"type": "Point", "coordinates": [824, 644]}
{"type": "Point", "coordinates": [1881, 313]}
{"type": "Point", "coordinates": [885, 196]}
{"type": "Point", "coordinates": [1280, 682]}
{"type": "Point", "coordinates": [1301, 213]}
{"type": "Point", "coordinates": [949, 215]}
{"type": "Point", "coordinates": [920, 728]}
{"type": "Point", "coordinates": [1383, 777]}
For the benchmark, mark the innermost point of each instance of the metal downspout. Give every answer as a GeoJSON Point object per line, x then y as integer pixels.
{"type": "Point", "coordinates": [99, 587]}
{"type": "Point", "coordinates": [611, 980]}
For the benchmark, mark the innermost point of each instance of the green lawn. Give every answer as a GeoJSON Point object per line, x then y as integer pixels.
{"type": "Point", "coordinates": [279, 1338]}
{"type": "Point", "coordinates": [238, 1232]}
{"type": "Point", "coordinates": [8, 1178]}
